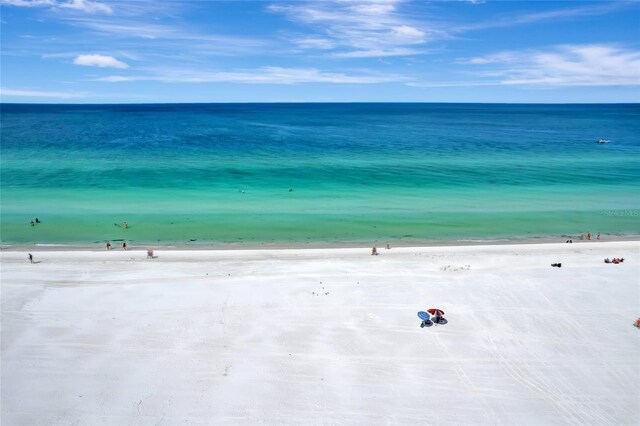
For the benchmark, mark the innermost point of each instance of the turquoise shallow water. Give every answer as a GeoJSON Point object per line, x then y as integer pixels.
{"type": "Point", "coordinates": [359, 172]}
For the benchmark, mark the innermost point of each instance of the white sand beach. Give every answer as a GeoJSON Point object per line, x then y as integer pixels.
{"type": "Point", "coordinates": [323, 336]}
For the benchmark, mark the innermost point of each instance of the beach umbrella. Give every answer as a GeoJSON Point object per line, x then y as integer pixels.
{"type": "Point", "coordinates": [423, 316]}
{"type": "Point", "coordinates": [436, 312]}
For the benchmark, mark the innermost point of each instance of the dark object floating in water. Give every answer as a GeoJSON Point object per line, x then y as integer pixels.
{"type": "Point", "coordinates": [193, 240]}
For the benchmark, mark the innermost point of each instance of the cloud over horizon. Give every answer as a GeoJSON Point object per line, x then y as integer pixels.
{"type": "Point", "coordinates": [39, 94]}
{"type": "Point", "coordinates": [263, 75]}
{"type": "Point", "coordinates": [564, 65]}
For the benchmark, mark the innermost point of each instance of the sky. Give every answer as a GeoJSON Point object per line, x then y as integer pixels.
{"type": "Point", "coordinates": [140, 51]}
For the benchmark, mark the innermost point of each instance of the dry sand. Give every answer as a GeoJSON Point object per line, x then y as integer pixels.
{"type": "Point", "coordinates": [327, 336]}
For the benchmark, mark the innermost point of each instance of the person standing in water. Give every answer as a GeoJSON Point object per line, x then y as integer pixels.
{"type": "Point", "coordinates": [108, 245]}
{"type": "Point", "coordinates": [124, 246]}
{"type": "Point", "coordinates": [588, 236]}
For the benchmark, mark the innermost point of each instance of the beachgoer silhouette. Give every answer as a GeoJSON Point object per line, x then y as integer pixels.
{"type": "Point", "coordinates": [124, 246]}
{"type": "Point", "coordinates": [108, 245]}
{"type": "Point", "coordinates": [582, 235]}
{"type": "Point", "coordinates": [588, 236]}
{"type": "Point", "coordinates": [598, 236]}
{"type": "Point", "coordinates": [126, 225]}
{"type": "Point", "coordinates": [33, 224]}
{"type": "Point", "coordinates": [374, 251]}
{"type": "Point", "coordinates": [37, 220]}
{"type": "Point", "coordinates": [30, 258]}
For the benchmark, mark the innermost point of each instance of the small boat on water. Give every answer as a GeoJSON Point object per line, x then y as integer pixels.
{"type": "Point", "coordinates": [603, 141]}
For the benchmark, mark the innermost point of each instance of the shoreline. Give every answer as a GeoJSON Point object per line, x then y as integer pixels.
{"type": "Point", "coordinates": [238, 246]}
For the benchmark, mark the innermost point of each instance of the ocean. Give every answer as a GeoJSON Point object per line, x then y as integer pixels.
{"type": "Point", "coordinates": [330, 174]}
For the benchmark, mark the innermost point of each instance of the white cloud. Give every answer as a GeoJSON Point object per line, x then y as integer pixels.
{"type": "Point", "coordinates": [407, 34]}
{"type": "Point", "coordinates": [567, 65]}
{"type": "Point", "coordinates": [92, 7]}
{"type": "Point", "coordinates": [118, 78]}
{"type": "Point", "coordinates": [264, 75]}
{"type": "Point", "coordinates": [377, 53]}
{"type": "Point", "coordinates": [501, 57]}
{"type": "Point", "coordinates": [356, 28]}
{"type": "Point", "coordinates": [549, 15]}
{"type": "Point", "coordinates": [315, 43]}
{"type": "Point", "coordinates": [99, 61]}
{"type": "Point", "coordinates": [173, 38]}
{"type": "Point", "coordinates": [86, 6]}
{"type": "Point", "coordinates": [39, 94]}
{"type": "Point", "coordinates": [27, 3]}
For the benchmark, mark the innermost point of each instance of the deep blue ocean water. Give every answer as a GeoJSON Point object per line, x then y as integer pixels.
{"type": "Point", "coordinates": [317, 173]}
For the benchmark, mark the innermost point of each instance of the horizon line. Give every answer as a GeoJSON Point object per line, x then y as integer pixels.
{"type": "Point", "coordinates": [315, 102]}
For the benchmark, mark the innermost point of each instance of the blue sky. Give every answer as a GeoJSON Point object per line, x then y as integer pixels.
{"type": "Point", "coordinates": [82, 51]}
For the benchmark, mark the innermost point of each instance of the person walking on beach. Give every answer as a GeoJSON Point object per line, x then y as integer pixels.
{"type": "Point", "coordinates": [374, 251]}
{"type": "Point", "coordinates": [581, 236]}
{"type": "Point", "coordinates": [108, 245]}
{"type": "Point", "coordinates": [30, 258]}
{"type": "Point", "coordinates": [124, 246]}
{"type": "Point", "coordinates": [598, 236]}
{"type": "Point", "coordinates": [588, 236]}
